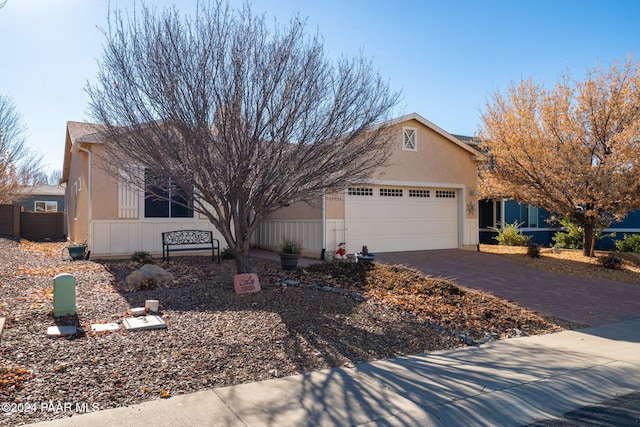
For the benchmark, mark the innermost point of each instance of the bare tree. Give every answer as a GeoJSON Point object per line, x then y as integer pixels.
{"type": "Point", "coordinates": [236, 119]}
{"type": "Point", "coordinates": [54, 177]}
{"type": "Point", "coordinates": [573, 150]}
{"type": "Point", "coordinates": [18, 164]}
{"type": "Point", "coordinates": [46, 178]}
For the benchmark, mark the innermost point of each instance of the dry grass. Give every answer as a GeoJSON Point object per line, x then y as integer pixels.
{"type": "Point", "coordinates": [572, 262]}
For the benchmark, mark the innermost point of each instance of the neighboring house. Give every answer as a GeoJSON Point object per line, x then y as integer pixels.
{"type": "Point", "coordinates": [37, 213]}
{"type": "Point", "coordinates": [534, 222]}
{"type": "Point", "coordinates": [41, 198]}
{"type": "Point", "coordinates": [424, 199]}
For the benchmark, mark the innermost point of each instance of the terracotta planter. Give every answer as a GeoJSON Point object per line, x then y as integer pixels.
{"type": "Point", "coordinates": [289, 261]}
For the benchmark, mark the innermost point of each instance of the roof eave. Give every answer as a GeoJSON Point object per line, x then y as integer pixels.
{"type": "Point", "coordinates": [477, 155]}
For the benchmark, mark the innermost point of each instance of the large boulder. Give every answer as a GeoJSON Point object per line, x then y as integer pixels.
{"type": "Point", "coordinates": [158, 275]}
{"type": "Point", "coordinates": [136, 280]}
{"type": "Point", "coordinates": [148, 276]}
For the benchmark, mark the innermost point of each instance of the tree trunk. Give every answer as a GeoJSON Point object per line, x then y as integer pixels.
{"type": "Point", "coordinates": [241, 254]}
{"type": "Point", "coordinates": [589, 239]}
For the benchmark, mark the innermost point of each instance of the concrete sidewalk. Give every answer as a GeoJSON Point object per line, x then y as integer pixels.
{"type": "Point", "coordinates": [514, 382]}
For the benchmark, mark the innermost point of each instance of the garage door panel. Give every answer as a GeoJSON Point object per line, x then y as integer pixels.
{"type": "Point", "coordinates": [389, 224]}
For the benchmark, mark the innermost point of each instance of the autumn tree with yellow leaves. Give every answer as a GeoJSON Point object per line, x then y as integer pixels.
{"type": "Point", "coordinates": [573, 149]}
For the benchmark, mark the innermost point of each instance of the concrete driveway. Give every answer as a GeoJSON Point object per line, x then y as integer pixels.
{"type": "Point", "coordinates": [588, 301]}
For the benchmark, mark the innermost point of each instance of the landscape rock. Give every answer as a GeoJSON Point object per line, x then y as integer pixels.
{"type": "Point", "coordinates": [149, 274]}
{"type": "Point", "coordinates": [157, 274]}
{"type": "Point", "coordinates": [136, 279]}
{"type": "Point", "coordinates": [214, 338]}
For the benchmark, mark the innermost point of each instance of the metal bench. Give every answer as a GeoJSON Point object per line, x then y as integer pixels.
{"type": "Point", "coordinates": [196, 240]}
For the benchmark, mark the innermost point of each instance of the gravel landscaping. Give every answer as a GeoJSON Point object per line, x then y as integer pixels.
{"type": "Point", "coordinates": [324, 318]}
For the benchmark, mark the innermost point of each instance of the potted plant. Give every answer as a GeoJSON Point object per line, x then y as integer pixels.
{"type": "Point", "coordinates": [77, 251]}
{"type": "Point", "coordinates": [289, 250]}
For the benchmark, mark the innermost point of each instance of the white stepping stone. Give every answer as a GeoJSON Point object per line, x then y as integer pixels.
{"type": "Point", "coordinates": [143, 322]}
{"type": "Point", "coordinates": [101, 327]}
{"type": "Point", "coordinates": [58, 331]}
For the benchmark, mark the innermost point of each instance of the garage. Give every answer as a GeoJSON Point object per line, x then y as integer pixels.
{"type": "Point", "coordinates": [392, 219]}
{"type": "Point", "coordinates": [425, 197]}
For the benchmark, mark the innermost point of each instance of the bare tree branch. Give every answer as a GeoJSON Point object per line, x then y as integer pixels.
{"type": "Point", "coordinates": [18, 164]}
{"type": "Point", "coordinates": [244, 119]}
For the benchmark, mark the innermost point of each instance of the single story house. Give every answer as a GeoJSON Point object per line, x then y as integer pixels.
{"type": "Point", "coordinates": [535, 222]}
{"type": "Point", "coordinates": [41, 198]}
{"type": "Point", "coordinates": [424, 198]}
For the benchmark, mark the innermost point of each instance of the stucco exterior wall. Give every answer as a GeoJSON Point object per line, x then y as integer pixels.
{"type": "Point", "coordinates": [436, 161]}
{"type": "Point", "coordinates": [334, 208]}
{"type": "Point", "coordinates": [299, 210]}
{"type": "Point", "coordinates": [439, 161]}
{"type": "Point", "coordinates": [104, 189]}
{"type": "Point", "coordinates": [334, 205]}
{"type": "Point", "coordinates": [78, 198]}
{"type": "Point", "coordinates": [101, 223]}
{"type": "Point", "coordinates": [89, 198]}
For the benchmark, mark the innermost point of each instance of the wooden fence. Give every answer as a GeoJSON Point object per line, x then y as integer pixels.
{"type": "Point", "coordinates": [36, 226]}
{"type": "Point", "coordinates": [10, 220]}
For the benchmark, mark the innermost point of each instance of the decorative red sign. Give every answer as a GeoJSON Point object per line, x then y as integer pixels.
{"type": "Point", "coordinates": [246, 283]}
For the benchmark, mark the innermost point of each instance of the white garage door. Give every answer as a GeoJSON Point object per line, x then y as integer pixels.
{"type": "Point", "coordinates": [389, 219]}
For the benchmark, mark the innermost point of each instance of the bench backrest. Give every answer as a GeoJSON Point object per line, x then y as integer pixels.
{"type": "Point", "coordinates": [187, 237]}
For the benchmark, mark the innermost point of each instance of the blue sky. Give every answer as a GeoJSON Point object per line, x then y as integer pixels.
{"type": "Point", "coordinates": [446, 56]}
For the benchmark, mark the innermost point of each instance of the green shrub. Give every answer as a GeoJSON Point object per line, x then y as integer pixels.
{"type": "Point", "coordinates": [510, 235]}
{"type": "Point", "coordinates": [571, 238]}
{"type": "Point", "coordinates": [630, 243]}
{"type": "Point", "coordinates": [142, 257]}
{"type": "Point", "coordinates": [227, 253]}
{"type": "Point", "coordinates": [290, 246]}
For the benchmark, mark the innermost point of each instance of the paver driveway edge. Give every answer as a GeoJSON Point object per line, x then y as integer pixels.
{"type": "Point", "coordinates": [587, 301]}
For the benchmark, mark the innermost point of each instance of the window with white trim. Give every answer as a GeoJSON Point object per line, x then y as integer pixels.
{"type": "Point", "coordinates": [360, 191]}
{"type": "Point", "coordinates": [528, 217]}
{"type": "Point", "coordinates": [409, 139]}
{"type": "Point", "coordinates": [419, 193]}
{"type": "Point", "coordinates": [46, 206]}
{"type": "Point", "coordinates": [532, 214]}
{"type": "Point", "coordinates": [76, 190]}
{"type": "Point", "coordinates": [446, 194]}
{"type": "Point", "coordinates": [390, 192]}
{"type": "Point", "coordinates": [165, 200]}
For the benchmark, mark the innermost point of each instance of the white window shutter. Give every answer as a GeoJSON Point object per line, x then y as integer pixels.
{"type": "Point", "coordinates": [128, 198]}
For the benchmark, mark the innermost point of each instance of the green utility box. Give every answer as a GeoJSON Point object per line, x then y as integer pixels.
{"type": "Point", "coordinates": [64, 295]}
